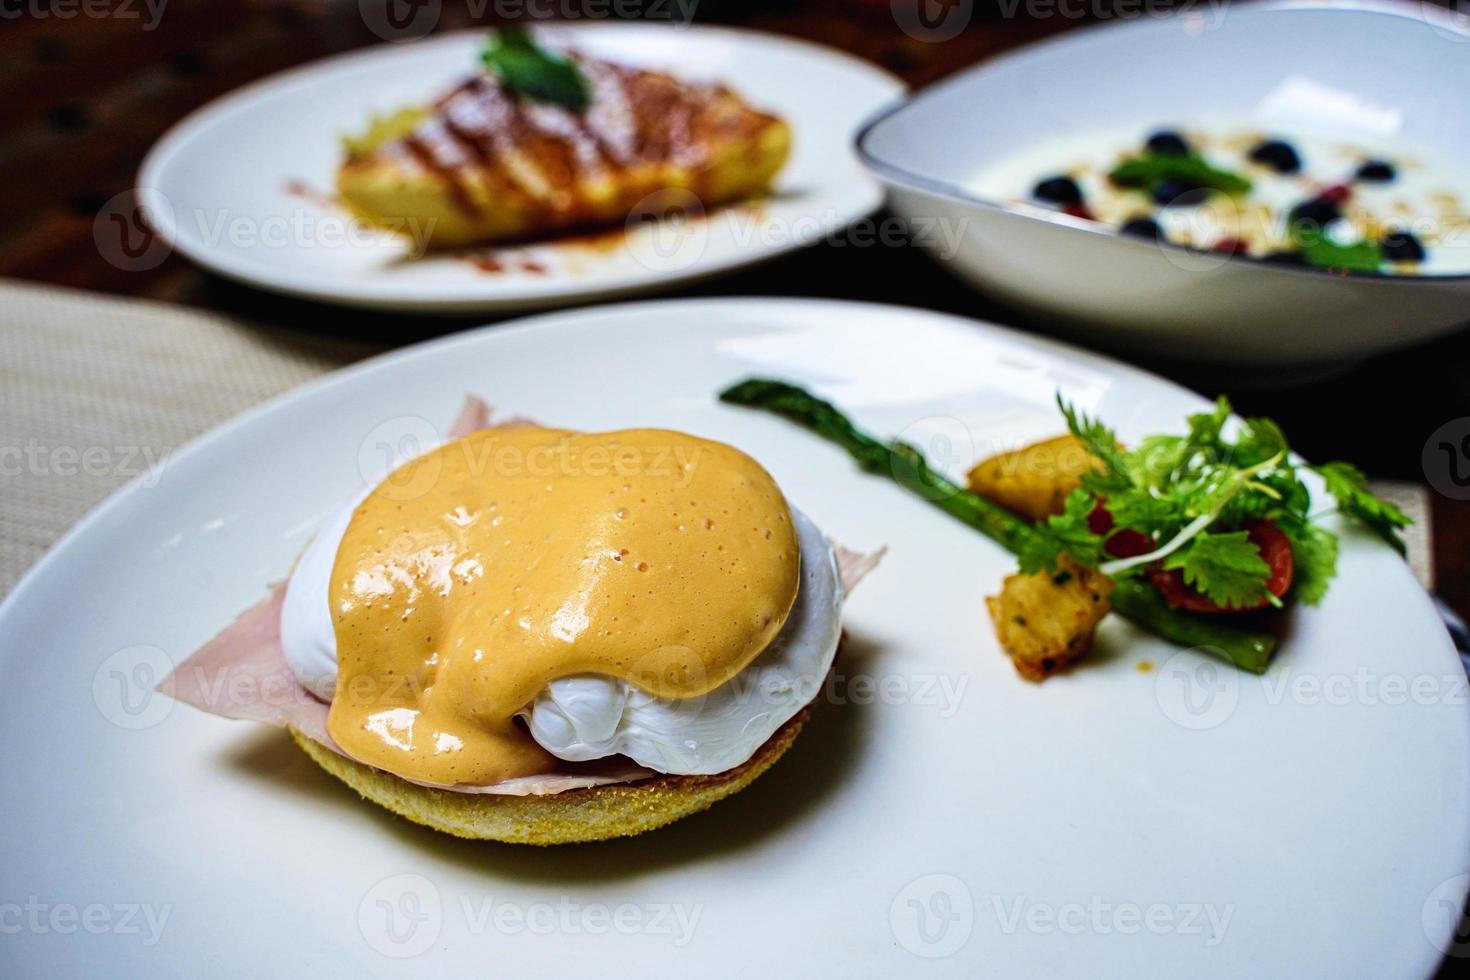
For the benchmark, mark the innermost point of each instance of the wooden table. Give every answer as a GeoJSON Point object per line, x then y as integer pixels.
{"type": "Point", "coordinates": [83, 97]}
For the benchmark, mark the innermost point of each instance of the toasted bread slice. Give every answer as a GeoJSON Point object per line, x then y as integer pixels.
{"type": "Point", "coordinates": [485, 165]}
{"type": "Point", "coordinates": [575, 816]}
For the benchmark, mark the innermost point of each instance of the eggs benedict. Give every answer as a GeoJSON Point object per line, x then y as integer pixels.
{"type": "Point", "coordinates": [539, 635]}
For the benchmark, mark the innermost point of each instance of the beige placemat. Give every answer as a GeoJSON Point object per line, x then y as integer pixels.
{"type": "Point", "coordinates": [95, 390]}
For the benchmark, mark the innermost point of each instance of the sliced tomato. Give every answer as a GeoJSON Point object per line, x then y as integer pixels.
{"type": "Point", "coordinates": [1126, 543]}
{"type": "Point", "coordinates": [1275, 549]}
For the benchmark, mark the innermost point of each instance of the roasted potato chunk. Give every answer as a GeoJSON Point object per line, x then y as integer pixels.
{"type": "Point", "coordinates": [1034, 481]}
{"type": "Point", "coordinates": [1045, 621]}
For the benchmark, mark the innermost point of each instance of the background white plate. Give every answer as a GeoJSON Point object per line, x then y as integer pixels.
{"type": "Point", "coordinates": [1084, 827]}
{"type": "Point", "coordinates": [219, 184]}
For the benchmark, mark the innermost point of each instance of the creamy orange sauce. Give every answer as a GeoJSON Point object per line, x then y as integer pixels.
{"type": "Point", "coordinates": [481, 571]}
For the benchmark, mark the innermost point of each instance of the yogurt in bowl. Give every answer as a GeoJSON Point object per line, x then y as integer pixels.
{"type": "Point", "coordinates": [1306, 199]}
{"type": "Point", "coordinates": [970, 152]}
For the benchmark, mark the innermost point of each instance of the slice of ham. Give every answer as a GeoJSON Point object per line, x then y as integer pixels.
{"type": "Point", "coordinates": [243, 674]}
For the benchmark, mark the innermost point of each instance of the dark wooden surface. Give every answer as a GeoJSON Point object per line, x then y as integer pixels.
{"type": "Point", "coordinates": [83, 97]}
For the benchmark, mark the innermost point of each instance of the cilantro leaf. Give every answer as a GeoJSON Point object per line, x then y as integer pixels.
{"type": "Point", "coordinates": [1314, 553]}
{"type": "Point", "coordinates": [1139, 510]}
{"type": "Point", "coordinates": [530, 70]}
{"type": "Point", "coordinates": [1350, 487]}
{"type": "Point", "coordinates": [1065, 532]}
{"type": "Point", "coordinates": [1097, 439]}
{"type": "Point", "coordinates": [1227, 568]}
{"type": "Point", "coordinates": [1147, 170]}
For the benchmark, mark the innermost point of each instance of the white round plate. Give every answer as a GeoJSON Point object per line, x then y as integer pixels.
{"type": "Point", "coordinates": [244, 185]}
{"type": "Point", "coordinates": [941, 815]}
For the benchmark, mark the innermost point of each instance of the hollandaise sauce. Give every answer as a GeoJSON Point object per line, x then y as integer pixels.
{"type": "Point", "coordinates": [481, 571]}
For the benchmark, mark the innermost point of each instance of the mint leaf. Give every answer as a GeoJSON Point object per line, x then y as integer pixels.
{"type": "Point", "coordinates": [1147, 170]}
{"type": "Point", "coordinates": [1357, 257]}
{"type": "Point", "coordinates": [527, 69]}
{"type": "Point", "coordinates": [1227, 568]}
{"type": "Point", "coordinates": [1350, 487]}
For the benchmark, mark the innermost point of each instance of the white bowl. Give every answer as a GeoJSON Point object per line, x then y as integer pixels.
{"type": "Point", "coordinates": [1367, 70]}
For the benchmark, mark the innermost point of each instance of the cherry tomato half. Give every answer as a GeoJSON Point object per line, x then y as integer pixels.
{"type": "Point", "coordinates": [1275, 549]}
{"type": "Point", "coordinates": [1126, 543]}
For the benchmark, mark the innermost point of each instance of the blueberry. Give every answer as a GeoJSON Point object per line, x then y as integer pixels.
{"type": "Point", "coordinates": [1376, 172]}
{"type": "Point", "coordinates": [1400, 246]}
{"type": "Point", "coordinates": [1284, 258]}
{"type": "Point", "coordinates": [1316, 213]}
{"type": "Point", "coordinates": [1058, 190]}
{"type": "Point", "coordinates": [1143, 228]}
{"type": "Point", "coordinates": [1166, 142]}
{"type": "Point", "coordinates": [1278, 155]}
{"type": "Point", "coordinates": [1177, 193]}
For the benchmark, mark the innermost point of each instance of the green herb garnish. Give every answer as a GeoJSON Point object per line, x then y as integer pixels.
{"type": "Point", "coordinates": [1322, 251]}
{"type": "Point", "coordinates": [1248, 649]}
{"type": "Point", "coordinates": [1147, 170]}
{"type": "Point", "coordinates": [1189, 494]}
{"type": "Point", "coordinates": [530, 70]}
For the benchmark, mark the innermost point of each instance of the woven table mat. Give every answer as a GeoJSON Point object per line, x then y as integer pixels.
{"type": "Point", "coordinates": [96, 390]}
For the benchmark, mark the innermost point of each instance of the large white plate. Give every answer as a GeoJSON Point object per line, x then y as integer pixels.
{"type": "Point", "coordinates": [237, 185]}
{"type": "Point", "coordinates": [1089, 826]}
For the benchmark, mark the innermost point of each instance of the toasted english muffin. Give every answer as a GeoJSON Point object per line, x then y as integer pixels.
{"type": "Point", "coordinates": [571, 817]}
{"type": "Point", "coordinates": [484, 164]}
